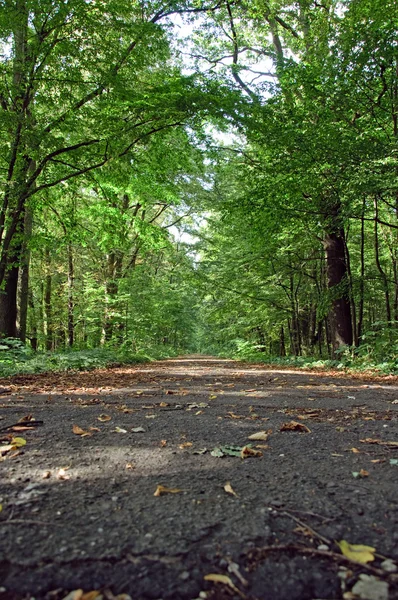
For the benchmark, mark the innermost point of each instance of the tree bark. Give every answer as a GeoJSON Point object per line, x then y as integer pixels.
{"type": "Point", "coordinates": [8, 304]}
{"type": "Point", "coordinates": [9, 293]}
{"type": "Point", "coordinates": [47, 303]}
{"type": "Point", "coordinates": [23, 284]}
{"type": "Point", "coordinates": [362, 277]}
{"type": "Point", "coordinates": [340, 312]}
{"type": "Point", "coordinates": [71, 303]}
{"type": "Point", "coordinates": [380, 268]}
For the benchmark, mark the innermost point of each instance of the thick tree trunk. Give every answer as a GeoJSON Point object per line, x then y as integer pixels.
{"type": "Point", "coordinates": [8, 304]}
{"type": "Point", "coordinates": [9, 293]}
{"type": "Point", "coordinates": [23, 287]}
{"type": "Point", "coordinates": [340, 313]}
{"type": "Point", "coordinates": [337, 278]}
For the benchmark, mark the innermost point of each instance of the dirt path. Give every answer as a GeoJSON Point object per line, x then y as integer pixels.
{"type": "Point", "coordinates": [79, 511]}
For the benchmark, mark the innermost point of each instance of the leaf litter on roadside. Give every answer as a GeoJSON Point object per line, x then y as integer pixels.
{"type": "Point", "coordinates": [95, 595]}
{"type": "Point", "coordinates": [185, 445]}
{"type": "Point", "coordinates": [357, 552]}
{"type": "Point", "coordinates": [295, 426]}
{"type": "Point", "coordinates": [79, 431]}
{"type": "Point", "coordinates": [161, 490]}
{"type": "Point", "coordinates": [379, 442]}
{"type": "Point", "coordinates": [360, 474]}
{"type": "Point", "coordinates": [260, 436]}
{"type": "Point", "coordinates": [104, 418]}
{"type": "Point", "coordinates": [225, 580]}
{"type": "Point", "coordinates": [241, 451]}
{"type": "Point", "coordinates": [15, 444]}
{"type": "Point", "coordinates": [229, 489]}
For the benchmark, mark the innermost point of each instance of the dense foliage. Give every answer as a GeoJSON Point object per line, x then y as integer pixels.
{"type": "Point", "coordinates": [195, 176]}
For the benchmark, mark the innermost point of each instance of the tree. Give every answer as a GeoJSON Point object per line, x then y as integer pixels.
{"type": "Point", "coordinates": [82, 85]}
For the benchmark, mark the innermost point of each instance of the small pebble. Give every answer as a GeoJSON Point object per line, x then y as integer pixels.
{"type": "Point", "coordinates": [389, 565]}
{"type": "Point", "coordinates": [184, 575]}
{"type": "Point", "coordinates": [323, 547]}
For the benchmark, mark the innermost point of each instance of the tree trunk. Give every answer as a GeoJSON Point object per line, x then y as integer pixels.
{"type": "Point", "coordinates": [8, 304]}
{"type": "Point", "coordinates": [23, 287]}
{"type": "Point", "coordinates": [282, 347]}
{"type": "Point", "coordinates": [351, 295]}
{"type": "Point", "coordinates": [380, 268]}
{"type": "Point", "coordinates": [33, 325]}
{"type": "Point", "coordinates": [337, 280]}
{"type": "Point", "coordinates": [71, 304]}
{"type": "Point", "coordinates": [9, 293]}
{"type": "Point", "coordinates": [47, 303]}
{"type": "Point", "coordinates": [362, 277]}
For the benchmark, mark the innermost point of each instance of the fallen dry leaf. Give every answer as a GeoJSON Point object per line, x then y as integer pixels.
{"type": "Point", "coordinates": [91, 595]}
{"type": "Point", "coordinates": [232, 415]}
{"type": "Point", "coordinates": [62, 474]}
{"type": "Point", "coordinates": [309, 415]}
{"type": "Point", "coordinates": [14, 444]}
{"type": "Point", "coordinates": [246, 452]}
{"type": "Point", "coordinates": [301, 530]}
{"type": "Point", "coordinates": [79, 431]}
{"type": "Point", "coordinates": [104, 418]}
{"type": "Point", "coordinates": [163, 404]}
{"type": "Point", "coordinates": [185, 445]}
{"type": "Point", "coordinates": [228, 488]}
{"type": "Point", "coordinates": [46, 475]}
{"type": "Point", "coordinates": [161, 489]}
{"type": "Point", "coordinates": [218, 578]}
{"type": "Point", "coordinates": [380, 442]}
{"type": "Point", "coordinates": [163, 443]}
{"type": "Point", "coordinates": [26, 418]}
{"type": "Point", "coordinates": [355, 450]}
{"type": "Point", "coordinates": [261, 436]}
{"type": "Point", "coordinates": [74, 595]}
{"type": "Point", "coordinates": [358, 553]}
{"type": "Point", "coordinates": [295, 426]}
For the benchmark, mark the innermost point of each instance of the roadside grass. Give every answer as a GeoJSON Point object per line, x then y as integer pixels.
{"type": "Point", "coordinates": [352, 365]}
{"type": "Point", "coordinates": [18, 359]}
{"type": "Point", "coordinates": [371, 359]}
